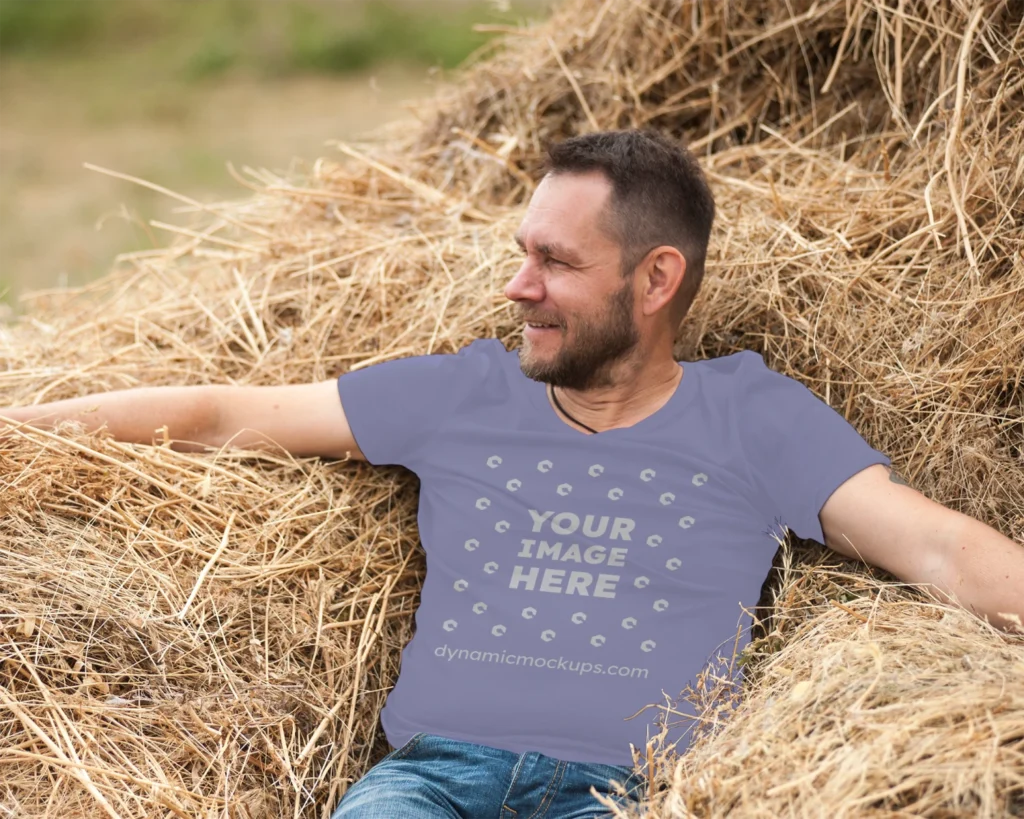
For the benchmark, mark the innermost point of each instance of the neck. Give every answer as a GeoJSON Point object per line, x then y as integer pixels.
{"type": "Point", "coordinates": [623, 403]}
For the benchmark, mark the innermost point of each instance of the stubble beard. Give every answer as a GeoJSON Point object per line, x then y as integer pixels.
{"type": "Point", "coordinates": [596, 347]}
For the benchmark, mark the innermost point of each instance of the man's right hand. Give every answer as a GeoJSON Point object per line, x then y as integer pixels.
{"type": "Point", "coordinates": [302, 419]}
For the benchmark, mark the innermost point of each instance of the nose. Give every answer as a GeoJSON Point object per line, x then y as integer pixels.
{"type": "Point", "coordinates": [526, 285]}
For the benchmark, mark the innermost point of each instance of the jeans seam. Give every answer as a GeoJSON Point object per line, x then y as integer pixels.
{"type": "Point", "coordinates": [556, 779]}
{"type": "Point", "coordinates": [512, 784]}
{"type": "Point", "coordinates": [412, 743]}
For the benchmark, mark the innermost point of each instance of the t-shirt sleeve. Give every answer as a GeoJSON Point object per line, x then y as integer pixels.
{"type": "Point", "coordinates": [397, 407]}
{"type": "Point", "coordinates": [799, 450]}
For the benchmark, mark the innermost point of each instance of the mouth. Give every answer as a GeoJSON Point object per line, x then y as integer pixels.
{"type": "Point", "coordinates": [539, 329]}
{"type": "Point", "coordinates": [540, 325]}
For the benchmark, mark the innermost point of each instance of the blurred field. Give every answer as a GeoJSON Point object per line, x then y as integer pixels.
{"type": "Point", "coordinates": [170, 90]}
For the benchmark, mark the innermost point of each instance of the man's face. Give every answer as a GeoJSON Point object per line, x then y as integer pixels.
{"type": "Point", "coordinates": [571, 279]}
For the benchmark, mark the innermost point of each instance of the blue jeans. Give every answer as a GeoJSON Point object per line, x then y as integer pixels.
{"type": "Point", "coordinates": [433, 777]}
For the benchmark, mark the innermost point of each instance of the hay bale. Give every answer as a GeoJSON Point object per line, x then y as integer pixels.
{"type": "Point", "coordinates": [215, 635]}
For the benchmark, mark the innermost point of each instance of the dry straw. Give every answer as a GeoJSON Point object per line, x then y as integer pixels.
{"type": "Point", "coordinates": [214, 635]}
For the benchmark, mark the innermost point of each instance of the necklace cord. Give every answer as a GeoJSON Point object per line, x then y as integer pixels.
{"type": "Point", "coordinates": [566, 414]}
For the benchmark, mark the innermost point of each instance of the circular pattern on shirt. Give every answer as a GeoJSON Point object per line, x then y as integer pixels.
{"type": "Point", "coordinates": [563, 523]}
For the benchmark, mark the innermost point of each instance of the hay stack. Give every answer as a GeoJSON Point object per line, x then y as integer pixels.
{"type": "Point", "coordinates": [215, 635]}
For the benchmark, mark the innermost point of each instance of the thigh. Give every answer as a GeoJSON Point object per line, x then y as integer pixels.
{"type": "Point", "coordinates": [430, 777]}
{"type": "Point", "coordinates": [382, 793]}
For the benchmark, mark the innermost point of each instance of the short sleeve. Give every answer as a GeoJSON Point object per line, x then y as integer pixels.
{"type": "Point", "coordinates": [799, 450]}
{"type": "Point", "coordinates": [397, 407]}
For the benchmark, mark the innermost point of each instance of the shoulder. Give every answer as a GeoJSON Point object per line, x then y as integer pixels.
{"type": "Point", "coordinates": [481, 353]}
{"type": "Point", "coordinates": [439, 372]}
{"type": "Point", "coordinates": [488, 348]}
{"type": "Point", "coordinates": [480, 368]}
{"type": "Point", "coordinates": [751, 374]}
{"type": "Point", "coordinates": [733, 363]}
{"type": "Point", "coordinates": [481, 357]}
{"type": "Point", "coordinates": [758, 395]}
{"type": "Point", "coordinates": [740, 372]}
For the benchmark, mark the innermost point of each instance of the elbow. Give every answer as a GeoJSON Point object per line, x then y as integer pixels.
{"type": "Point", "coordinates": [205, 424]}
{"type": "Point", "coordinates": [946, 569]}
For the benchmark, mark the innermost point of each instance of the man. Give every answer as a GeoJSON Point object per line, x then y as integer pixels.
{"type": "Point", "coordinates": [594, 513]}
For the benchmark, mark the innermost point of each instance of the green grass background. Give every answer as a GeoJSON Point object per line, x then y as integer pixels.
{"type": "Point", "coordinates": [131, 84]}
{"type": "Point", "coordinates": [197, 39]}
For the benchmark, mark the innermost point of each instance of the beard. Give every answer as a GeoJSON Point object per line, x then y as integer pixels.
{"type": "Point", "coordinates": [596, 347]}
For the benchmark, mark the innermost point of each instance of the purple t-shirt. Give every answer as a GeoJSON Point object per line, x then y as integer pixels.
{"type": "Point", "coordinates": [575, 579]}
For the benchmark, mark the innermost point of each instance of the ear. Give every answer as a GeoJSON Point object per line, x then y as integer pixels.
{"type": "Point", "coordinates": [663, 270]}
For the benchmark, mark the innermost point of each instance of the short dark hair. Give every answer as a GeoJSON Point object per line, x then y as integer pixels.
{"type": "Point", "coordinates": [659, 197]}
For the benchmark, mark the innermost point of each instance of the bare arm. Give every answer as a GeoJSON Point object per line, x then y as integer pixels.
{"type": "Point", "coordinates": [304, 419]}
{"type": "Point", "coordinates": [985, 570]}
{"type": "Point", "coordinates": [877, 517]}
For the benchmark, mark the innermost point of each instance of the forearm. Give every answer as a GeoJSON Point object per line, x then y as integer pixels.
{"type": "Point", "coordinates": [985, 572]}
{"type": "Point", "coordinates": [135, 415]}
